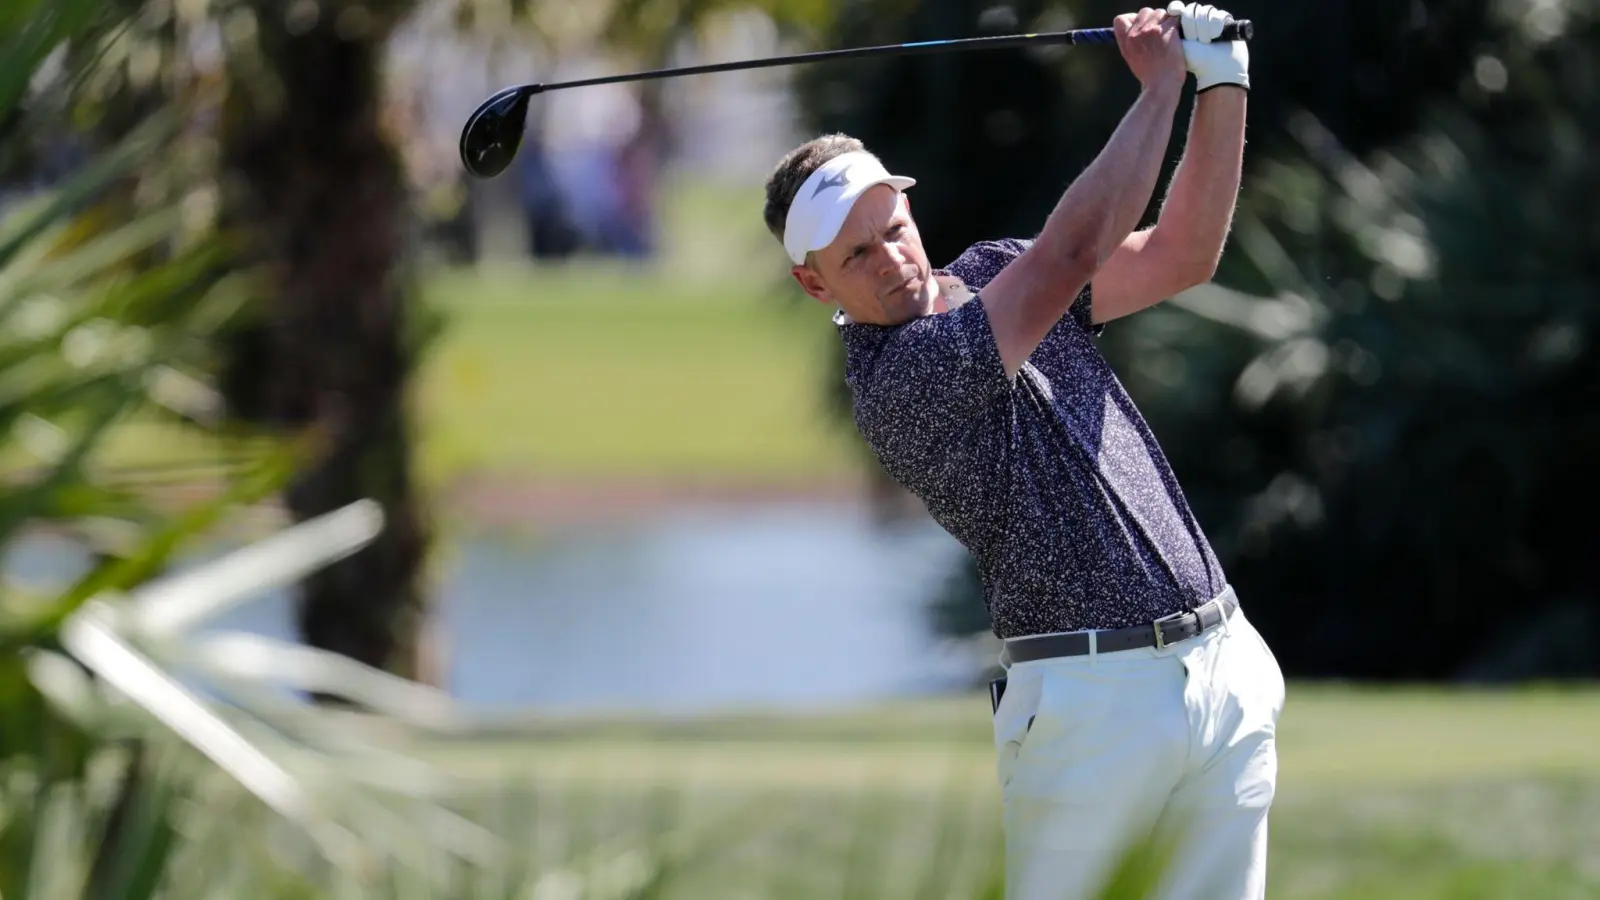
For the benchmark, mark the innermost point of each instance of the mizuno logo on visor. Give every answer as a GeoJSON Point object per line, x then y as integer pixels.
{"type": "Point", "coordinates": [836, 181]}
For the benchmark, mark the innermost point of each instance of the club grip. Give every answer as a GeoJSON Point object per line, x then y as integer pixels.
{"type": "Point", "coordinates": [1238, 30]}
{"type": "Point", "coordinates": [1235, 30]}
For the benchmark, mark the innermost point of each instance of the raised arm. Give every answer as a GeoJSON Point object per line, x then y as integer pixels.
{"type": "Point", "coordinates": [1102, 205]}
{"type": "Point", "coordinates": [1185, 245]}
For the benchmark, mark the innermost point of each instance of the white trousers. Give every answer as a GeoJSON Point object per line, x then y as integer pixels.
{"type": "Point", "coordinates": [1176, 742]}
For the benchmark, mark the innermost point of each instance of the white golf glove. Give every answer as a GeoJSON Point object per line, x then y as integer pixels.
{"type": "Point", "coordinates": [1213, 64]}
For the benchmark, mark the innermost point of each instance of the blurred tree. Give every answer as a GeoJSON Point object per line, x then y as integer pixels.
{"type": "Point", "coordinates": [966, 116]}
{"type": "Point", "coordinates": [654, 31]}
{"type": "Point", "coordinates": [1411, 426]}
{"type": "Point", "coordinates": [314, 189]}
{"type": "Point", "coordinates": [652, 34]}
{"type": "Point", "coordinates": [1370, 69]}
{"type": "Point", "coordinates": [649, 30]}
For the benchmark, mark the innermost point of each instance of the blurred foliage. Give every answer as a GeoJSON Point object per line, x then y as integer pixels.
{"type": "Point", "coordinates": [280, 152]}
{"type": "Point", "coordinates": [1384, 424]}
{"type": "Point", "coordinates": [651, 28]}
{"type": "Point", "coordinates": [110, 302]}
{"type": "Point", "coordinates": [106, 321]}
{"type": "Point", "coordinates": [647, 28]}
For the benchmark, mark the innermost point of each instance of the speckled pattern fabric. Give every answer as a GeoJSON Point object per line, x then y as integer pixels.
{"type": "Point", "coordinates": [1053, 481]}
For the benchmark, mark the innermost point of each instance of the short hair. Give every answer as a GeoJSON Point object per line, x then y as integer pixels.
{"type": "Point", "coordinates": [792, 172]}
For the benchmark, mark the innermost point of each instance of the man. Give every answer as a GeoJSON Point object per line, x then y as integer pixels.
{"type": "Point", "coordinates": [1139, 698]}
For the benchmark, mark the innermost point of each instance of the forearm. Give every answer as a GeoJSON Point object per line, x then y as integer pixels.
{"type": "Point", "coordinates": [1093, 218]}
{"type": "Point", "coordinates": [1096, 214]}
{"type": "Point", "coordinates": [1104, 204]}
{"type": "Point", "coordinates": [1199, 206]}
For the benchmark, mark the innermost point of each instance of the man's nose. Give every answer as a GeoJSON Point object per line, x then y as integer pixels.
{"type": "Point", "coordinates": [891, 257]}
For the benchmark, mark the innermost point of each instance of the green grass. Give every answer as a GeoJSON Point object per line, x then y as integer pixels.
{"type": "Point", "coordinates": [595, 373]}
{"type": "Point", "coordinates": [704, 365]}
{"type": "Point", "coordinates": [1389, 794]}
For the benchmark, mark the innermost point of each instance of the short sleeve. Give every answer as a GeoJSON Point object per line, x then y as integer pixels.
{"type": "Point", "coordinates": [981, 262]}
{"type": "Point", "coordinates": [934, 407]}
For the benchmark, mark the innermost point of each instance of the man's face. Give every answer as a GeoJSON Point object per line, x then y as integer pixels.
{"type": "Point", "coordinates": [875, 269]}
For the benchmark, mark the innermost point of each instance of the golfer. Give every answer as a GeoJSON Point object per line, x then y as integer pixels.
{"type": "Point", "coordinates": [1138, 700]}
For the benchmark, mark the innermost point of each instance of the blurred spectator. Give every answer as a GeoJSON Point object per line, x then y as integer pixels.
{"type": "Point", "coordinates": [633, 232]}
{"type": "Point", "coordinates": [601, 157]}
{"type": "Point", "coordinates": [551, 232]}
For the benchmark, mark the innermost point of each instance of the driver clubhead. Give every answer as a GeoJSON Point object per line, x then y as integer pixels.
{"type": "Point", "coordinates": [491, 138]}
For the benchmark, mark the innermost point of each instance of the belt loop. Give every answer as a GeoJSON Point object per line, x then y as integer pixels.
{"type": "Point", "coordinates": [1094, 646]}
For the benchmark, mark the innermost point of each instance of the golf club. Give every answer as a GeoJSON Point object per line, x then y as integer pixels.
{"type": "Point", "coordinates": [490, 140]}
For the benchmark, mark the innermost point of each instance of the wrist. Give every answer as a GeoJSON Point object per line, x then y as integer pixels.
{"type": "Point", "coordinates": [1164, 92]}
{"type": "Point", "coordinates": [1214, 94]}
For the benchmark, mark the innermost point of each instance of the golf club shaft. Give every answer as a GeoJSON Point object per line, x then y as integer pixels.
{"type": "Point", "coordinates": [1237, 30]}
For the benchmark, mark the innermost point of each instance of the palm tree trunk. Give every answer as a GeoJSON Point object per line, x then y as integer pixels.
{"type": "Point", "coordinates": [319, 197]}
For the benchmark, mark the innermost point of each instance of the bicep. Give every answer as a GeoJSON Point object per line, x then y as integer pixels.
{"type": "Point", "coordinates": [1142, 272]}
{"type": "Point", "coordinates": [1026, 300]}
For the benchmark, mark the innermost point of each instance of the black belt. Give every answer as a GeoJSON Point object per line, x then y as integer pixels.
{"type": "Point", "coordinates": [1160, 633]}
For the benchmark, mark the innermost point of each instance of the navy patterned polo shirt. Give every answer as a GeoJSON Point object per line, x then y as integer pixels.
{"type": "Point", "coordinates": [1052, 481]}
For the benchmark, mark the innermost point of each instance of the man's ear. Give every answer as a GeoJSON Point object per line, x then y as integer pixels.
{"type": "Point", "coordinates": [811, 283]}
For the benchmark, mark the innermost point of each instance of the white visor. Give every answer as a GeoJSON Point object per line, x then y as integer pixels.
{"type": "Point", "coordinates": [825, 201]}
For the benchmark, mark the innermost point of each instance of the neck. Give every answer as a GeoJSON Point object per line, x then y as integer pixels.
{"type": "Point", "coordinates": [939, 301]}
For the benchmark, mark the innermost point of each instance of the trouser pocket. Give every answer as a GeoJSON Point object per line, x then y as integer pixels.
{"type": "Point", "coordinates": [1014, 711]}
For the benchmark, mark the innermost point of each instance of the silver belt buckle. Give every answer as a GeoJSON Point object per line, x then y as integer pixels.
{"type": "Point", "coordinates": [1161, 639]}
